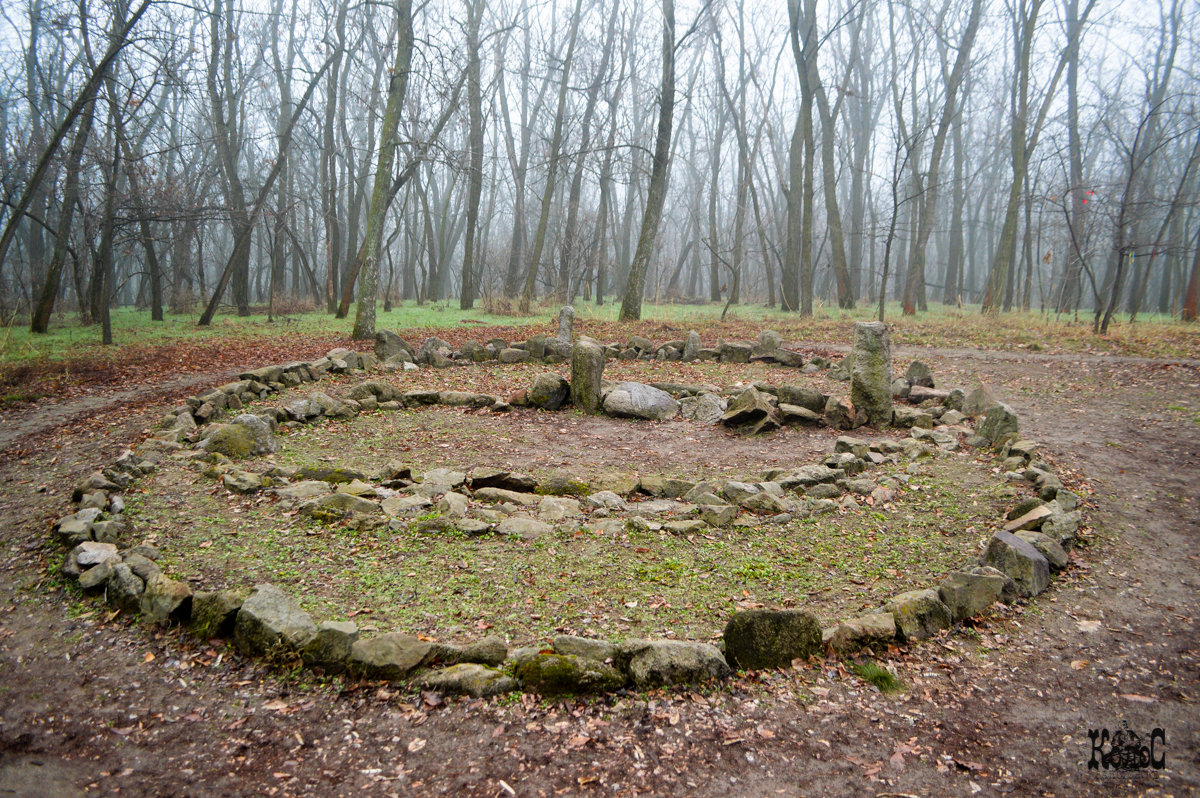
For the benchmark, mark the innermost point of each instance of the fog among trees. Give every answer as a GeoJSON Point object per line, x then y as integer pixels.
{"type": "Point", "coordinates": [309, 154]}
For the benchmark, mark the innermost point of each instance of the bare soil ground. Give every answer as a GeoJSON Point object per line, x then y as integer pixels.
{"type": "Point", "coordinates": [89, 704]}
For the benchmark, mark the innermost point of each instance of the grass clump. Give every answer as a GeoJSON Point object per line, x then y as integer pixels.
{"type": "Point", "coordinates": [874, 673]}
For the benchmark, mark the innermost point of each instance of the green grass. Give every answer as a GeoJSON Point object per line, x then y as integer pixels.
{"type": "Point", "coordinates": [579, 579]}
{"type": "Point", "coordinates": [876, 674]}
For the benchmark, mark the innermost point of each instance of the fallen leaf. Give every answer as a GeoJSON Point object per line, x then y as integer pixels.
{"type": "Point", "coordinates": [1078, 664]}
{"type": "Point", "coordinates": [416, 745]}
{"type": "Point", "coordinates": [1140, 699]}
{"type": "Point", "coordinates": [1090, 626]}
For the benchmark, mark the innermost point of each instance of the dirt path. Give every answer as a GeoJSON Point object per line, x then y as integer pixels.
{"type": "Point", "coordinates": [88, 704]}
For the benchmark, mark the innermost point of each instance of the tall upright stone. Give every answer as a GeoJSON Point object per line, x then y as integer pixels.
{"type": "Point", "coordinates": [691, 347]}
{"type": "Point", "coordinates": [566, 323]}
{"type": "Point", "coordinates": [587, 376]}
{"type": "Point", "coordinates": [871, 374]}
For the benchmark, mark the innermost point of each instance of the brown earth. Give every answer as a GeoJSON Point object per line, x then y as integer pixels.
{"type": "Point", "coordinates": [93, 704]}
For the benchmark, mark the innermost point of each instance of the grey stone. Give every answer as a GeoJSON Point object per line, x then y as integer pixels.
{"type": "Point", "coordinates": [478, 681]}
{"type": "Point", "coordinates": [735, 352]}
{"type": "Point", "coordinates": [871, 374]}
{"type": "Point", "coordinates": [919, 374]}
{"type": "Point", "coordinates": [605, 498]}
{"type": "Point", "coordinates": [245, 436]}
{"type": "Point", "coordinates": [919, 614]}
{"type": "Point", "coordinates": [796, 415]}
{"type": "Point", "coordinates": [566, 323]}
{"type": "Point", "coordinates": [803, 396]}
{"type": "Point", "coordinates": [452, 505]}
{"type": "Point", "coordinates": [239, 481]}
{"type": "Point", "coordinates": [124, 589]}
{"type": "Point", "coordinates": [706, 408]}
{"type": "Point", "coordinates": [587, 377]}
{"type": "Point", "coordinates": [338, 505]}
{"type": "Point", "coordinates": [214, 613]}
{"type": "Point", "coordinates": [1019, 560]}
{"type": "Point", "coordinates": [563, 674]}
{"type": "Point", "coordinates": [389, 345]}
{"type": "Point", "coordinates": [1049, 548]}
{"type": "Point", "coordinates": [842, 415]}
{"type": "Point", "coordinates": [637, 400]}
{"type": "Point", "coordinates": [165, 599]}
{"type": "Point", "coordinates": [511, 355]}
{"type": "Point", "coordinates": [756, 639]}
{"type": "Point", "coordinates": [548, 392]}
{"type": "Point", "coordinates": [658, 663]}
{"type": "Point", "coordinates": [304, 490]}
{"type": "Point", "coordinates": [872, 630]}
{"type": "Point", "coordinates": [490, 650]}
{"type": "Point", "coordinates": [718, 515]}
{"type": "Point", "coordinates": [270, 620]}
{"type": "Point", "coordinates": [388, 656]}
{"type": "Point", "coordinates": [978, 401]}
{"type": "Point", "coordinates": [97, 576]}
{"type": "Point", "coordinates": [999, 423]}
{"type": "Point", "coordinates": [505, 480]}
{"type": "Point", "coordinates": [89, 553]}
{"type": "Point", "coordinates": [765, 504]}
{"type": "Point", "coordinates": [809, 475]}
{"type": "Point", "coordinates": [502, 496]}
{"type": "Point", "coordinates": [330, 649]}
{"type": "Point", "coordinates": [397, 506]}
{"type": "Point", "coordinates": [752, 411]}
{"type": "Point", "coordinates": [968, 594]}
{"type": "Point", "coordinates": [1062, 527]}
{"type": "Point", "coordinates": [912, 417]}
{"type": "Point", "coordinates": [524, 527]}
{"type": "Point", "coordinates": [691, 347]}
{"type": "Point", "coordinates": [332, 475]}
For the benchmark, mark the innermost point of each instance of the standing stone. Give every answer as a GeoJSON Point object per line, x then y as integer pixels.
{"type": "Point", "coordinates": [587, 374]}
{"type": "Point", "coordinates": [566, 321]}
{"type": "Point", "coordinates": [871, 372]}
{"type": "Point", "coordinates": [691, 347]}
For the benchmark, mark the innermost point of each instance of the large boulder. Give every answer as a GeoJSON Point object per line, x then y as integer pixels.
{"type": "Point", "coordinates": [691, 346]}
{"type": "Point", "coordinates": [977, 402]}
{"type": "Point", "coordinates": [637, 400]}
{"type": "Point", "coordinates": [1019, 560]}
{"type": "Point", "coordinates": [871, 372]}
{"type": "Point", "coordinates": [919, 614]}
{"type": "Point", "coordinates": [549, 392]}
{"type": "Point", "coordinates": [757, 639]}
{"type": "Point", "coordinates": [269, 620]}
{"type": "Point", "coordinates": [658, 663]}
{"type": "Point", "coordinates": [587, 376]}
{"type": "Point", "coordinates": [246, 435]}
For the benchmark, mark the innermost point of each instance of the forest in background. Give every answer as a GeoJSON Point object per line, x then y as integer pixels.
{"type": "Point", "coordinates": [307, 154]}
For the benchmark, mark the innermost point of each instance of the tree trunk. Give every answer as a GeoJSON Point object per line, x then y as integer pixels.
{"type": "Point", "coordinates": [631, 303]}
{"type": "Point", "coordinates": [367, 262]}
